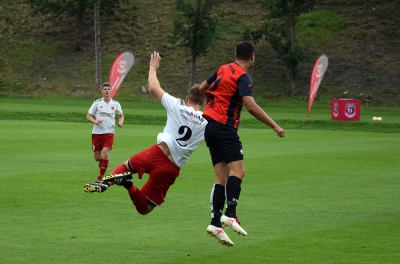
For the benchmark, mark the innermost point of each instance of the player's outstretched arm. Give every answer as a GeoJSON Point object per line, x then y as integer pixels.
{"type": "Point", "coordinates": [154, 84]}
{"type": "Point", "coordinates": [203, 87]}
{"type": "Point", "coordinates": [256, 111]}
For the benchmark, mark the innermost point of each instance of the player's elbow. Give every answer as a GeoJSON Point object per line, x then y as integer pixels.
{"type": "Point", "coordinates": [203, 87]}
{"type": "Point", "coordinates": [154, 86]}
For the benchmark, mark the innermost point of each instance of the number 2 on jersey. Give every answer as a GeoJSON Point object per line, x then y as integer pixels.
{"type": "Point", "coordinates": [186, 133]}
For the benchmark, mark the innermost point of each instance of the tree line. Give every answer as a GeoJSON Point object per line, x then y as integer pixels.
{"type": "Point", "coordinates": [196, 27]}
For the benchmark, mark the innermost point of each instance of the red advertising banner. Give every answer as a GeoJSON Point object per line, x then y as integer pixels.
{"type": "Point", "coordinates": [318, 72]}
{"type": "Point", "coordinates": [345, 109]}
{"type": "Point", "coordinates": [119, 69]}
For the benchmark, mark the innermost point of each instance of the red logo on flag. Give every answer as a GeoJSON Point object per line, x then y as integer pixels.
{"type": "Point", "coordinates": [119, 69]}
{"type": "Point", "coordinates": [122, 66]}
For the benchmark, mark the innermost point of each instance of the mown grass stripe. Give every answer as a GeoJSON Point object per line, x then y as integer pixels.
{"type": "Point", "coordinates": [380, 127]}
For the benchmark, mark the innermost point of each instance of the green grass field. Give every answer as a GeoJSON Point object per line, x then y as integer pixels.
{"type": "Point", "coordinates": [315, 196]}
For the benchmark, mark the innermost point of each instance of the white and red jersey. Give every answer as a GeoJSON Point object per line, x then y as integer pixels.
{"type": "Point", "coordinates": [106, 112]}
{"type": "Point", "coordinates": [184, 130]}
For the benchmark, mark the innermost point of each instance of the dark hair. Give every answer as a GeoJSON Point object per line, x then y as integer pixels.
{"type": "Point", "coordinates": [244, 50]}
{"type": "Point", "coordinates": [195, 95]}
{"type": "Point", "coordinates": [106, 84]}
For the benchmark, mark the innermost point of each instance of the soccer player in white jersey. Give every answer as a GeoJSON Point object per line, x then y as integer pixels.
{"type": "Point", "coordinates": [104, 110]}
{"type": "Point", "coordinates": [182, 134]}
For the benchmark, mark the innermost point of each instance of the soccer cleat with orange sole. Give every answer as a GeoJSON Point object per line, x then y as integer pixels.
{"type": "Point", "coordinates": [220, 235]}
{"type": "Point", "coordinates": [234, 224]}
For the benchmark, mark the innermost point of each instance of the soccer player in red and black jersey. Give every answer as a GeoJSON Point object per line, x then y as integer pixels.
{"type": "Point", "coordinates": [226, 91]}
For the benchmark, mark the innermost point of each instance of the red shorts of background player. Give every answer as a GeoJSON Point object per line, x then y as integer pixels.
{"type": "Point", "coordinates": [100, 141]}
{"type": "Point", "coordinates": [162, 172]}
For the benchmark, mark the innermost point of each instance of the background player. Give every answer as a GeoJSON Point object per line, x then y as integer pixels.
{"type": "Point", "coordinates": [104, 110]}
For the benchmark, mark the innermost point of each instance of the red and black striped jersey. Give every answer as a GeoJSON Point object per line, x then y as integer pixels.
{"type": "Point", "coordinates": [224, 96]}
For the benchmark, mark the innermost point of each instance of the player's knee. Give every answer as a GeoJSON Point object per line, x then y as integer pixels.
{"type": "Point", "coordinates": [97, 156]}
{"type": "Point", "coordinates": [238, 173]}
{"type": "Point", "coordinates": [243, 172]}
{"type": "Point", "coordinates": [149, 209]}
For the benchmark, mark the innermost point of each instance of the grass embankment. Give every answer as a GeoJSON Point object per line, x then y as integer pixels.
{"type": "Point", "coordinates": [360, 38]}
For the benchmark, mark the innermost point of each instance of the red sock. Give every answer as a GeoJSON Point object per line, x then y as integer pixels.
{"type": "Point", "coordinates": [138, 199]}
{"type": "Point", "coordinates": [103, 167]}
{"type": "Point", "coordinates": [119, 169]}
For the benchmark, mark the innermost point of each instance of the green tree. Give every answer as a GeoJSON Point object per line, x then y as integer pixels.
{"type": "Point", "coordinates": [195, 28]}
{"type": "Point", "coordinates": [278, 28]}
{"type": "Point", "coordinates": [79, 8]}
{"type": "Point", "coordinates": [72, 8]}
{"type": "Point", "coordinates": [97, 50]}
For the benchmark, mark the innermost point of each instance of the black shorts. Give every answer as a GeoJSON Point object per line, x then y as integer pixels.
{"type": "Point", "coordinates": [223, 142]}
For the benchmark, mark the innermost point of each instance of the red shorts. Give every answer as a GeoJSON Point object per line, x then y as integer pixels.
{"type": "Point", "coordinates": [100, 141]}
{"type": "Point", "coordinates": [162, 172]}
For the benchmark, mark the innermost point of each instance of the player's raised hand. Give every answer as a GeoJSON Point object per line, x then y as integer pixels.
{"type": "Point", "coordinates": [155, 60]}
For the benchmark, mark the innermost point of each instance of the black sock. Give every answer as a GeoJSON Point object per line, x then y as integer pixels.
{"type": "Point", "coordinates": [217, 201]}
{"type": "Point", "coordinates": [128, 184]}
{"type": "Point", "coordinates": [232, 195]}
{"type": "Point", "coordinates": [106, 183]}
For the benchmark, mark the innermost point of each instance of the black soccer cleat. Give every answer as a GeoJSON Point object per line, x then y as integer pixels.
{"type": "Point", "coordinates": [123, 179]}
{"type": "Point", "coordinates": [95, 187]}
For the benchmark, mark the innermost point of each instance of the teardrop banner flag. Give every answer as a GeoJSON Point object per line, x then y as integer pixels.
{"type": "Point", "coordinates": [119, 69]}
{"type": "Point", "coordinates": [318, 72]}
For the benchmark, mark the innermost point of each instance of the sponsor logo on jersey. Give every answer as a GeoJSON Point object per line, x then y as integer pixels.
{"type": "Point", "coordinates": [106, 114]}
{"type": "Point", "coordinates": [194, 115]}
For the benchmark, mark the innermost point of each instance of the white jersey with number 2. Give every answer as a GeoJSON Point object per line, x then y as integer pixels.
{"type": "Point", "coordinates": [184, 130]}
{"type": "Point", "coordinates": [106, 112]}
